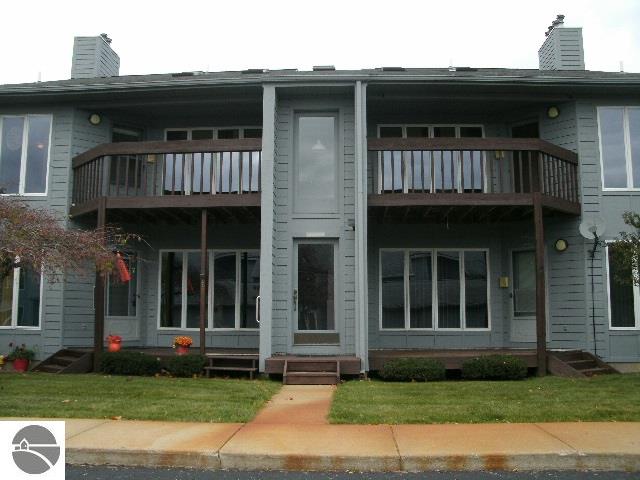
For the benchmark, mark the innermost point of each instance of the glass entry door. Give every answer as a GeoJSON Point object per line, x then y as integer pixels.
{"type": "Point", "coordinates": [523, 296]}
{"type": "Point", "coordinates": [314, 289]}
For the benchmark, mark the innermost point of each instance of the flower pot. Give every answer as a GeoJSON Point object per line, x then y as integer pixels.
{"type": "Point", "coordinates": [181, 350]}
{"type": "Point", "coordinates": [114, 347]}
{"type": "Point", "coordinates": [21, 364]}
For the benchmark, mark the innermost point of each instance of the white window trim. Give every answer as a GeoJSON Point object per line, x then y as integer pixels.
{"type": "Point", "coordinates": [15, 301]}
{"type": "Point", "coordinates": [434, 290]}
{"type": "Point", "coordinates": [23, 155]}
{"type": "Point", "coordinates": [636, 298]}
{"type": "Point", "coordinates": [627, 150]}
{"type": "Point", "coordinates": [210, 290]}
{"type": "Point", "coordinates": [431, 127]}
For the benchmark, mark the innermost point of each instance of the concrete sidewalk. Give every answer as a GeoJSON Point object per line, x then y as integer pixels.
{"type": "Point", "coordinates": [541, 446]}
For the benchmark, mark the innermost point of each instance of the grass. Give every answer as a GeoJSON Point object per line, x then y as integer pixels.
{"type": "Point", "coordinates": [132, 398]}
{"type": "Point", "coordinates": [549, 399]}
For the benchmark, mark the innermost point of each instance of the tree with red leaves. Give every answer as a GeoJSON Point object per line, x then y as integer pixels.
{"type": "Point", "coordinates": [35, 238]}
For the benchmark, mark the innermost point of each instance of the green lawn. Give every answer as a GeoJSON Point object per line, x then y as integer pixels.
{"type": "Point", "coordinates": [549, 399]}
{"type": "Point", "coordinates": [139, 398]}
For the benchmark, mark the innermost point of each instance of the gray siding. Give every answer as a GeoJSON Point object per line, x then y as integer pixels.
{"type": "Point", "coordinates": [615, 346]}
{"type": "Point", "coordinates": [48, 339]}
{"type": "Point", "coordinates": [93, 57]}
{"type": "Point", "coordinates": [286, 227]}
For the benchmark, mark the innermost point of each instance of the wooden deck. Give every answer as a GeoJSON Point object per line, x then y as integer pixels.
{"type": "Point", "coordinates": [452, 359]}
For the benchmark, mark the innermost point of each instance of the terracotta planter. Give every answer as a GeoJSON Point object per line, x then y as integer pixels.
{"type": "Point", "coordinates": [114, 347]}
{"type": "Point", "coordinates": [182, 350]}
{"type": "Point", "coordinates": [21, 364]}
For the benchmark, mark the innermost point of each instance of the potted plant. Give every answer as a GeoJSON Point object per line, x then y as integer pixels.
{"type": "Point", "coordinates": [182, 344]}
{"type": "Point", "coordinates": [21, 356]}
{"type": "Point", "coordinates": [114, 342]}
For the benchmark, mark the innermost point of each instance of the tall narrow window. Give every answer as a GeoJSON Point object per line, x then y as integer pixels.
{"type": "Point", "coordinates": [475, 290]}
{"type": "Point", "coordinates": [420, 290]}
{"type": "Point", "coordinates": [524, 284]}
{"type": "Point", "coordinates": [619, 129]}
{"type": "Point", "coordinates": [171, 290]}
{"type": "Point", "coordinates": [392, 289]}
{"type": "Point", "coordinates": [448, 289]}
{"type": "Point", "coordinates": [24, 153]}
{"type": "Point", "coordinates": [316, 164]}
{"type": "Point", "coordinates": [622, 294]}
{"type": "Point", "coordinates": [20, 298]}
{"type": "Point", "coordinates": [193, 290]}
{"type": "Point", "coordinates": [249, 288]}
{"type": "Point", "coordinates": [224, 290]}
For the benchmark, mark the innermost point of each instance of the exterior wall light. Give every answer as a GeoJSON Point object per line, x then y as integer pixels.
{"type": "Point", "coordinates": [561, 245]}
{"type": "Point", "coordinates": [553, 112]}
{"type": "Point", "coordinates": [95, 119]}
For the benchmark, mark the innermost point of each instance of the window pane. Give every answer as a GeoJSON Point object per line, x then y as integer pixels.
{"type": "Point", "coordinates": [448, 289]}
{"type": "Point", "coordinates": [193, 290]}
{"type": "Point", "coordinates": [475, 132]}
{"type": "Point", "coordinates": [224, 290]}
{"type": "Point", "coordinates": [29, 299]}
{"type": "Point", "coordinates": [171, 290]}
{"type": "Point", "coordinates": [420, 289]}
{"type": "Point", "coordinates": [229, 133]}
{"type": "Point", "coordinates": [620, 294]}
{"type": "Point", "coordinates": [390, 132]}
{"type": "Point", "coordinates": [634, 139]}
{"type": "Point", "coordinates": [201, 134]}
{"type": "Point", "coordinates": [316, 165]}
{"type": "Point", "coordinates": [613, 150]}
{"type": "Point", "coordinates": [6, 299]}
{"type": "Point", "coordinates": [252, 133]}
{"type": "Point", "coordinates": [448, 132]}
{"type": "Point", "coordinates": [177, 135]}
{"type": "Point", "coordinates": [122, 295]}
{"type": "Point", "coordinates": [524, 284]}
{"type": "Point", "coordinates": [11, 153]}
{"type": "Point", "coordinates": [316, 287]}
{"type": "Point", "coordinates": [475, 288]}
{"type": "Point", "coordinates": [392, 289]}
{"type": "Point", "coordinates": [37, 154]}
{"type": "Point", "coordinates": [249, 289]}
{"type": "Point", "coordinates": [417, 132]}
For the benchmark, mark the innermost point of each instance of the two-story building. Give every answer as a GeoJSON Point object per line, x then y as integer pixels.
{"type": "Point", "coordinates": [356, 215]}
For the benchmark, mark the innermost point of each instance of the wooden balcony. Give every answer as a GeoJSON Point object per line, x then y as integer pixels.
{"type": "Point", "coordinates": [469, 179]}
{"type": "Point", "coordinates": [182, 175]}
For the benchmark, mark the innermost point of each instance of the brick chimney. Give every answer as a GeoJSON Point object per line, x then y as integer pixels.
{"type": "Point", "coordinates": [562, 49]}
{"type": "Point", "coordinates": [94, 57]}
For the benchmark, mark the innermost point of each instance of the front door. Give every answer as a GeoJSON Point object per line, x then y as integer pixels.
{"type": "Point", "coordinates": [122, 309]}
{"type": "Point", "coordinates": [523, 296]}
{"type": "Point", "coordinates": [314, 293]}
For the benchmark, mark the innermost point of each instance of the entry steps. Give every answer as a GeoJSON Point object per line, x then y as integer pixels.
{"type": "Point", "coordinates": [577, 364]}
{"type": "Point", "coordinates": [311, 371]}
{"type": "Point", "coordinates": [67, 361]}
{"type": "Point", "coordinates": [232, 362]}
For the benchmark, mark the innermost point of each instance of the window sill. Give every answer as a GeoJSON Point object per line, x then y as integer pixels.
{"type": "Point", "coordinates": [21, 329]}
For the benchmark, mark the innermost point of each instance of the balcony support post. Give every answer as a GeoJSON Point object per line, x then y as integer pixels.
{"type": "Point", "coordinates": [541, 314]}
{"type": "Point", "coordinates": [203, 280]}
{"type": "Point", "coordinates": [99, 295]}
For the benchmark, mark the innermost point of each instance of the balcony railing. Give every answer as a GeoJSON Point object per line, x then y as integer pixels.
{"type": "Point", "coordinates": [150, 169]}
{"type": "Point", "coordinates": [472, 165]}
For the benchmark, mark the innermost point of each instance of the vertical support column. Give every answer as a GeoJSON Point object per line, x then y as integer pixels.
{"type": "Point", "coordinates": [541, 314]}
{"type": "Point", "coordinates": [203, 280]}
{"type": "Point", "coordinates": [99, 295]}
{"type": "Point", "coordinates": [266, 220]}
{"type": "Point", "coordinates": [362, 317]}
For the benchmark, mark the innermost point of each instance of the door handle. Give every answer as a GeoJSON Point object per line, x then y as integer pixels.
{"type": "Point", "coordinates": [258, 309]}
{"type": "Point", "coordinates": [295, 299]}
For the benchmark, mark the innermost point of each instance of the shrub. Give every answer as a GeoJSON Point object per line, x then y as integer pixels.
{"type": "Point", "coordinates": [129, 363]}
{"type": "Point", "coordinates": [413, 369]}
{"type": "Point", "coordinates": [185, 365]}
{"type": "Point", "coordinates": [494, 367]}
